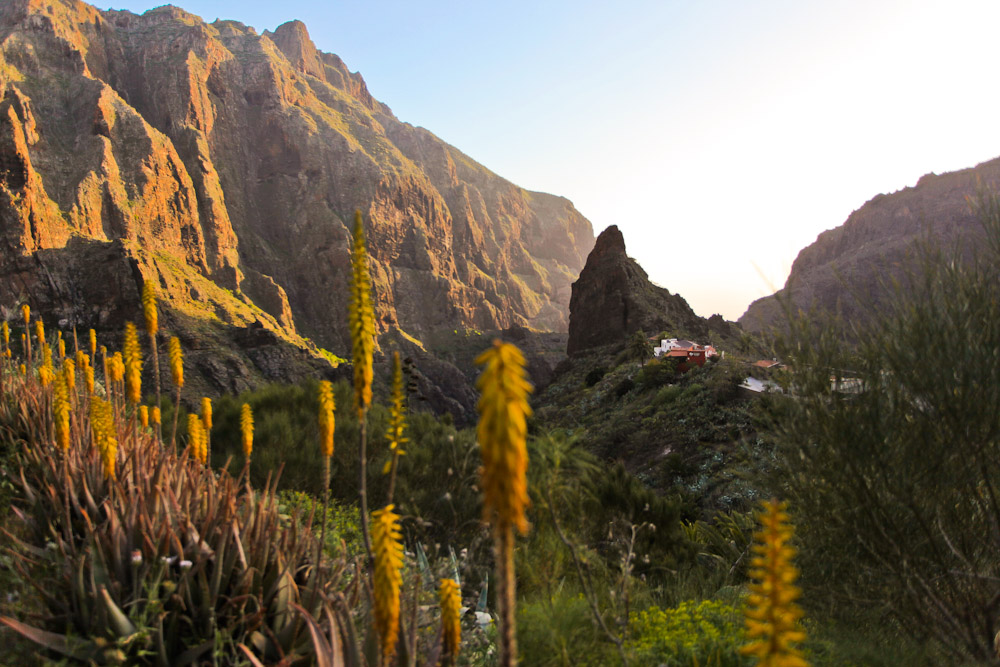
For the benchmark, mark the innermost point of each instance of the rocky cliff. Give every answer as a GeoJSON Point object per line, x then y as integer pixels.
{"type": "Point", "coordinates": [849, 269]}
{"type": "Point", "coordinates": [226, 166]}
{"type": "Point", "coordinates": [614, 298]}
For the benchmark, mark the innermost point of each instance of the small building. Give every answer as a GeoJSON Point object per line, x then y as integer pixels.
{"type": "Point", "coordinates": [685, 351]}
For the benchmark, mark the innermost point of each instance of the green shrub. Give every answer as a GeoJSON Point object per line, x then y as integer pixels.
{"type": "Point", "coordinates": [561, 632]}
{"type": "Point", "coordinates": [595, 375]}
{"type": "Point", "coordinates": [693, 633]}
{"type": "Point", "coordinates": [668, 395]}
{"type": "Point", "coordinates": [624, 387]}
{"type": "Point", "coordinates": [656, 374]}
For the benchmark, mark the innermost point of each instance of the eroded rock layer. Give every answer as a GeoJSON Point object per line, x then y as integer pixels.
{"type": "Point", "coordinates": [850, 269]}
{"type": "Point", "coordinates": [212, 152]}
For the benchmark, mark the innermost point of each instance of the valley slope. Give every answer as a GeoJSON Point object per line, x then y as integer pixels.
{"type": "Point", "coordinates": [849, 269]}
{"type": "Point", "coordinates": [226, 166]}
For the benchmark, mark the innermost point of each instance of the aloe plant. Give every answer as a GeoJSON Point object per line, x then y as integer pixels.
{"type": "Point", "coordinates": [165, 563]}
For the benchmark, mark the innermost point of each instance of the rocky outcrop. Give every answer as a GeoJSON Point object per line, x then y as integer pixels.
{"type": "Point", "coordinates": [214, 154]}
{"type": "Point", "coordinates": [850, 269]}
{"type": "Point", "coordinates": [614, 298]}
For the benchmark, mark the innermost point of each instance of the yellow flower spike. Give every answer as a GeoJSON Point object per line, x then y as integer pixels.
{"type": "Point", "coordinates": [206, 427]}
{"type": "Point", "coordinates": [45, 372]}
{"type": "Point", "coordinates": [103, 434]}
{"type": "Point", "coordinates": [69, 376]}
{"type": "Point", "coordinates": [88, 377]}
{"type": "Point", "coordinates": [93, 344]}
{"type": "Point", "coordinates": [62, 347]}
{"type": "Point", "coordinates": [156, 415]}
{"type": "Point", "coordinates": [206, 413]}
{"type": "Point", "coordinates": [246, 429]}
{"type": "Point", "coordinates": [60, 414]}
{"type": "Point", "coordinates": [772, 617]}
{"type": "Point", "coordinates": [133, 364]}
{"type": "Point", "coordinates": [397, 409]}
{"type": "Point", "coordinates": [326, 418]}
{"type": "Point", "coordinates": [196, 438]}
{"type": "Point", "coordinates": [361, 320]}
{"type": "Point", "coordinates": [502, 432]}
{"type": "Point", "coordinates": [22, 369]}
{"type": "Point", "coordinates": [176, 362]}
{"type": "Point", "coordinates": [26, 314]}
{"type": "Point", "coordinates": [144, 416]}
{"type": "Point", "coordinates": [388, 562]}
{"type": "Point", "coordinates": [149, 307]}
{"type": "Point", "coordinates": [117, 367]}
{"type": "Point", "coordinates": [40, 331]}
{"type": "Point", "coordinates": [450, 601]}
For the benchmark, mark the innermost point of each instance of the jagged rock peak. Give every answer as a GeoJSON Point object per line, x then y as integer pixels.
{"type": "Point", "coordinates": [613, 299]}
{"type": "Point", "coordinates": [230, 164]}
{"type": "Point", "coordinates": [292, 38]}
{"type": "Point", "coordinates": [611, 240]}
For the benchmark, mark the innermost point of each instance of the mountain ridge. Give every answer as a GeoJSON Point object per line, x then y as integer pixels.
{"type": "Point", "coordinates": [213, 152]}
{"type": "Point", "coordinates": [848, 268]}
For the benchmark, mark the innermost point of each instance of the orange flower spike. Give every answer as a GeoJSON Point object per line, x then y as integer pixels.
{"type": "Point", "coordinates": [450, 601]}
{"type": "Point", "coordinates": [326, 418]}
{"type": "Point", "coordinates": [387, 580]}
{"type": "Point", "coordinates": [502, 433]}
{"type": "Point", "coordinates": [246, 429]}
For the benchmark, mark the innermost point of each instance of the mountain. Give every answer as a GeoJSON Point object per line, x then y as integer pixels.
{"type": "Point", "coordinates": [614, 298]}
{"type": "Point", "coordinates": [849, 268]}
{"type": "Point", "coordinates": [226, 166]}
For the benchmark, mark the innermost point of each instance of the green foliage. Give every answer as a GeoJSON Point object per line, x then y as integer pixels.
{"type": "Point", "coordinates": [693, 633]}
{"type": "Point", "coordinates": [561, 632]}
{"type": "Point", "coordinates": [620, 499]}
{"type": "Point", "coordinates": [656, 374]}
{"type": "Point", "coordinates": [343, 533]}
{"type": "Point", "coordinates": [167, 564]}
{"type": "Point", "coordinates": [595, 375]}
{"type": "Point", "coordinates": [894, 478]}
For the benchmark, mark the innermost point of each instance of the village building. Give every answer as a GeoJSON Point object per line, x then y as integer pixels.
{"type": "Point", "coordinates": [685, 351]}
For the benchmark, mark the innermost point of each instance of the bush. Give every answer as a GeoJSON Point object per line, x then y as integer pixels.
{"type": "Point", "coordinates": [895, 477]}
{"type": "Point", "coordinates": [561, 631]}
{"type": "Point", "coordinates": [595, 375]}
{"type": "Point", "coordinates": [656, 374]}
{"type": "Point", "coordinates": [668, 395]}
{"type": "Point", "coordinates": [693, 633]}
{"type": "Point", "coordinates": [624, 387]}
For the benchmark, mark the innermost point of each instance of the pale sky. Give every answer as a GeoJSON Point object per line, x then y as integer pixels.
{"type": "Point", "coordinates": [721, 136]}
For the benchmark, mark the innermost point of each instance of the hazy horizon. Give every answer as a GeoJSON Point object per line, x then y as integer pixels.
{"type": "Point", "coordinates": [721, 138]}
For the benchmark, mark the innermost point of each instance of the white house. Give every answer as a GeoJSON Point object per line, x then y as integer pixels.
{"type": "Point", "coordinates": [672, 347]}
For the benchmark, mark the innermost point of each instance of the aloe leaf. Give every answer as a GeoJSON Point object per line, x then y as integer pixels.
{"type": "Point", "coordinates": [425, 567]}
{"type": "Point", "coordinates": [119, 621]}
{"type": "Point", "coordinates": [191, 656]}
{"type": "Point", "coordinates": [322, 651]}
{"type": "Point", "coordinates": [454, 566]}
{"type": "Point", "coordinates": [484, 594]}
{"type": "Point", "coordinates": [250, 656]}
{"type": "Point", "coordinates": [72, 647]}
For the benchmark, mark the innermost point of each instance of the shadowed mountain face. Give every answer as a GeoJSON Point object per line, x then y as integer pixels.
{"type": "Point", "coordinates": [226, 166]}
{"type": "Point", "coordinates": [849, 269]}
{"type": "Point", "coordinates": [614, 298]}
